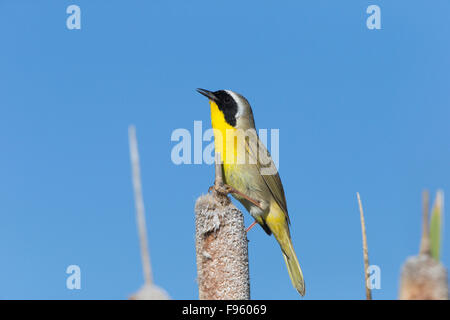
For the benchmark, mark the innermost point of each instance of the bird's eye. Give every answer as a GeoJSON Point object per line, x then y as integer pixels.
{"type": "Point", "coordinates": [227, 100]}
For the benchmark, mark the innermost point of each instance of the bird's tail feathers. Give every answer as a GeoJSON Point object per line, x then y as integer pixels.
{"type": "Point", "coordinates": [293, 266]}
{"type": "Point", "coordinates": [277, 223]}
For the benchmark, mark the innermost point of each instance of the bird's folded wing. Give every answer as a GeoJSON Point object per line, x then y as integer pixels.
{"type": "Point", "coordinates": [257, 151]}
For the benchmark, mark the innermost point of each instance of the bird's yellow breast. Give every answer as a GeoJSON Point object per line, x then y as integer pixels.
{"type": "Point", "coordinates": [232, 152]}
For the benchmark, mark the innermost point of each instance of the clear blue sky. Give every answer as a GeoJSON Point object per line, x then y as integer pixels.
{"type": "Point", "coordinates": [358, 110]}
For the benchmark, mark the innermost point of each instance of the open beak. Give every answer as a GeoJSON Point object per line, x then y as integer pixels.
{"type": "Point", "coordinates": [210, 95]}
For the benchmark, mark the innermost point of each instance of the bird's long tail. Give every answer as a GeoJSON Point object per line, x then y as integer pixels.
{"type": "Point", "coordinates": [276, 220]}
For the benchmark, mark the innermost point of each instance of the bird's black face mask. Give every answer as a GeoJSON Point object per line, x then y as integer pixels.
{"type": "Point", "coordinates": [225, 102]}
{"type": "Point", "coordinates": [227, 105]}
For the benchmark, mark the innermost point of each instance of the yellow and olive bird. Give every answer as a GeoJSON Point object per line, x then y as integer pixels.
{"type": "Point", "coordinates": [245, 163]}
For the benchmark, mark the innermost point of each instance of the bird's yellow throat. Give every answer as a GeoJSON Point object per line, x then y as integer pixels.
{"type": "Point", "coordinates": [222, 130]}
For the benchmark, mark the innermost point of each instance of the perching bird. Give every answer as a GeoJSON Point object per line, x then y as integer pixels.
{"type": "Point", "coordinates": [250, 172]}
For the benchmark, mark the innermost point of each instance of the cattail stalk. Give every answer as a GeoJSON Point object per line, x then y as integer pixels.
{"type": "Point", "coordinates": [139, 202]}
{"type": "Point", "coordinates": [221, 246]}
{"type": "Point", "coordinates": [148, 291]}
{"type": "Point", "coordinates": [365, 249]}
{"type": "Point", "coordinates": [425, 240]}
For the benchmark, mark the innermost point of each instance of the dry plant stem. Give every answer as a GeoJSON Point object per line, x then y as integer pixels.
{"type": "Point", "coordinates": [221, 246]}
{"type": "Point", "coordinates": [365, 249]}
{"type": "Point", "coordinates": [137, 185]}
{"type": "Point", "coordinates": [218, 173]}
{"type": "Point", "coordinates": [425, 240]}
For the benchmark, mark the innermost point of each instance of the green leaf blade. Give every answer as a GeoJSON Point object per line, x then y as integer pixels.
{"type": "Point", "coordinates": [436, 225]}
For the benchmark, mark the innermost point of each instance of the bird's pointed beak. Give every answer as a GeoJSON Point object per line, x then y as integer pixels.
{"type": "Point", "coordinates": [210, 95]}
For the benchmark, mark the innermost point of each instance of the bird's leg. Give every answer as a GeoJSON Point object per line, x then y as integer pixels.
{"type": "Point", "coordinates": [250, 227]}
{"type": "Point", "coordinates": [225, 188]}
{"type": "Point", "coordinates": [230, 189]}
